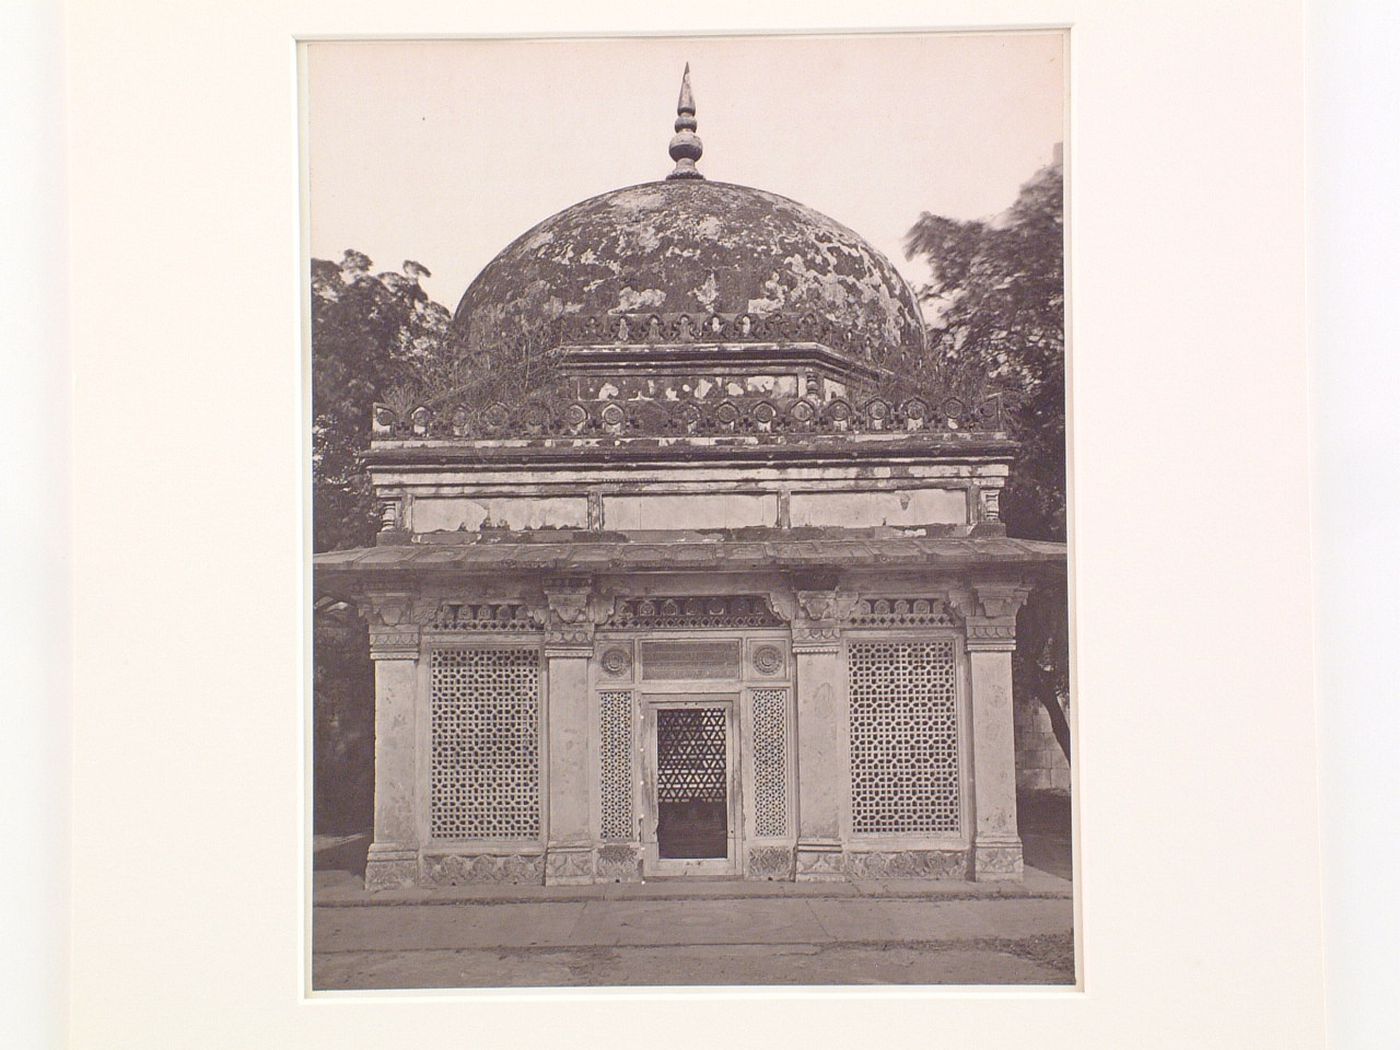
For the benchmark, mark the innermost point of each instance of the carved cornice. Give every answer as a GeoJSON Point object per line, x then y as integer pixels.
{"type": "Point", "coordinates": [886, 611]}
{"type": "Point", "coordinates": [700, 611]}
{"type": "Point", "coordinates": [394, 631]}
{"type": "Point", "coordinates": [460, 615]}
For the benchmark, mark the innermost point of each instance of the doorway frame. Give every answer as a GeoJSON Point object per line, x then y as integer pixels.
{"type": "Point", "coordinates": [653, 864]}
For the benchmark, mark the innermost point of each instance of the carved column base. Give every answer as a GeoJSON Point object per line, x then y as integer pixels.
{"type": "Point", "coordinates": [771, 863]}
{"type": "Point", "coordinates": [820, 861]}
{"type": "Point", "coordinates": [391, 867]}
{"type": "Point", "coordinates": [997, 860]}
{"type": "Point", "coordinates": [618, 862]}
{"type": "Point", "coordinates": [568, 865]}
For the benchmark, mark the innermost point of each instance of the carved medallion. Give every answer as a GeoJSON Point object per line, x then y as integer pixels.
{"type": "Point", "coordinates": [616, 662]}
{"type": "Point", "coordinates": [768, 659]}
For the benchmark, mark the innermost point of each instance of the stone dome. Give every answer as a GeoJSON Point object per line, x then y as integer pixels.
{"type": "Point", "coordinates": [696, 247]}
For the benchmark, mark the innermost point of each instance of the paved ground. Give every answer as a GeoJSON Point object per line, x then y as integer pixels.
{"type": "Point", "coordinates": [667, 933]}
{"type": "Point", "coordinates": [713, 933]}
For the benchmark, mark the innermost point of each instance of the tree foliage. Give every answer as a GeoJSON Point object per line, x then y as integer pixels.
{"type": "Point", "coordinates": [997, 296]}
{"type": "Point", "coordinates": [370, 333]}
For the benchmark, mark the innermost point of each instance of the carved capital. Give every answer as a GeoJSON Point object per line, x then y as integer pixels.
{"type": "Point", "coordinates": [988, 612]}
{"type": "Point", "coordinates": [817, 626]}
{"type": "Point", "coordinates": [816, 605]}
{"type": "Point", "coordinates": [1001, 600]}
{"type": "Point", "coordinates": [393, 620]}
{"type": "Point", "coordinates": [571, 614]}
{"type": "Point", "coordinates": [387, 609]}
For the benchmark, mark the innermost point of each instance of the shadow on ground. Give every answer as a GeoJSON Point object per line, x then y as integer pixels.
{"type": "Point", "coordinates": [1044, 821]}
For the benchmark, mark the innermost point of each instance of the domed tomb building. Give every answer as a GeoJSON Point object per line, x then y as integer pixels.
{"type": "Point", "coordinates": [682, 581]}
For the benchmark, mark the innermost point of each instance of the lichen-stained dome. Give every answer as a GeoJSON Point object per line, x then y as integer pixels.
{"type": "Point", "coordinates": [690, 246]}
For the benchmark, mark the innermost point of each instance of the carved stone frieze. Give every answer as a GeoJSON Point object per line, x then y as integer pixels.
{"type": "Point", "coordinates": [459, 869]}
{"type": "Point", "coordinates": [920, 611]}
{"type": "Point", "coordinates": [908, 864]}
{"type": "Point", "coordinates": [704, 610]}
{"type": "Point", "coordinates": [462, 615]}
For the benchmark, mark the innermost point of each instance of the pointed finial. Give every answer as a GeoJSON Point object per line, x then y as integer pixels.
{"type": "Point", "coordinates": [685, 147]}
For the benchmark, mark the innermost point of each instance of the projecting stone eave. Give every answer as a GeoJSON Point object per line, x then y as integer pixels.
{"type": "Point", "coordinates": [804, 449]}
{"type": "Point", "coordinates": [967, 555]}
{"type": "Point", "coordinates": [739, 359]}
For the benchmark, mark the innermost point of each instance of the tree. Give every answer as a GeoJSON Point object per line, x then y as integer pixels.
{"type": "Point", "coordinates": [370, 333]}
{"type": "Point", "coordinates": [997, 296]}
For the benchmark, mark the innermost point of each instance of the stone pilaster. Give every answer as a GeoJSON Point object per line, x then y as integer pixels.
{"type": "Point", "coordinates": [989, 616]}
{"type": "Point", "coordinates": [394, 647]}
{"type": "Point", "coordinates": [568, 648]}
{"type": "Point", "coordinates": [816, 648]}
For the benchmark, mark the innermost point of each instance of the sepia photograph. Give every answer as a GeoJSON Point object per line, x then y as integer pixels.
{"type": "Point", "coordinates": [687, 440]}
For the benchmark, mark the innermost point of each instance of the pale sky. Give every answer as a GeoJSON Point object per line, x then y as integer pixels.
{"type": "Point", "coordinates": [446, 151]}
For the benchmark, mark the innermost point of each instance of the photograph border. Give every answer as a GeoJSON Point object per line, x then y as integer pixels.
{"type": "Point", "coordinates": [308, 742]}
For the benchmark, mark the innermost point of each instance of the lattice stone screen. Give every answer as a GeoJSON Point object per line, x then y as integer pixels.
{"type": "Point", "coordinates": [904, 737]}
{"type": "Point", "coordinates": [485, 744]}
{"type": "Point", "coordinates": [615, 748]}
{"type": "Point", "coordinates": [770, 761]}
{"type": "Point", "coordinates": [690, 755]}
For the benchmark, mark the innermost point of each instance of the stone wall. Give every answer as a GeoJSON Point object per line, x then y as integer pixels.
{"type": "Point", "coordinates": [1040, 764]}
